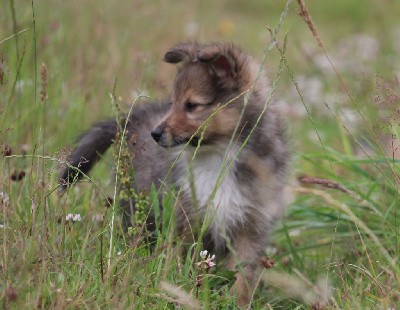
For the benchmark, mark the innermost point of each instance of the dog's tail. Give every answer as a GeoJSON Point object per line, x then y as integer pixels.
{"type": "Point", "coordinates": [91, 145]}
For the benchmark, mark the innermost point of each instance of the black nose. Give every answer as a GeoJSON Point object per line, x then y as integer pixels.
{"type": "Point", "coordinates": [157, 133]}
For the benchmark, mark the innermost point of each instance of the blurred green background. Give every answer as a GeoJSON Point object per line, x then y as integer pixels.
{"type": "Point", "coordinates": [91, 46]}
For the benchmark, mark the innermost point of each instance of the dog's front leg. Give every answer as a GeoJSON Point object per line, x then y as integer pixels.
{"type": "Point", "coordinates": [244, 259]}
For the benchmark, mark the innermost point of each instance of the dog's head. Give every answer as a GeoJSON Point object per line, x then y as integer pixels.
{"type": "Point", "coordinates": [208, 77]}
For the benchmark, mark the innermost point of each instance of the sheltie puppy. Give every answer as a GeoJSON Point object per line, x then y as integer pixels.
{"type": "Point", "coordinates": [225, 145]}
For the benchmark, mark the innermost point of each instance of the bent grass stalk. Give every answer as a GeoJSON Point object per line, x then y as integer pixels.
{"type": "Point", "coordinates": [62, 162]}
{"type": "Point", "coordinates": [344, 208]}
{"type": "Point", "coordinates": [14, 35]}
{"type": "Point", "coordinates": [362, 148]}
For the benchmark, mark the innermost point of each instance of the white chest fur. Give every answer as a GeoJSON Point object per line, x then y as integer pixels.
{"type": "Point", "coordinates": [217, 191]}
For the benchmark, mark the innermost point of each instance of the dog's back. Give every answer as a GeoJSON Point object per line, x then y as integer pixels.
{"type": "Point", "coordinates": [149, 162]}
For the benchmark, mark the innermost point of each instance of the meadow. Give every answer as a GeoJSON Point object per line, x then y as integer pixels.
{"type": "Point", "coordinates": [67, 64]}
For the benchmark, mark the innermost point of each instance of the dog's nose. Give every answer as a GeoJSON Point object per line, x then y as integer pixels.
{"type": "Point", "coordinates": [157, 133]}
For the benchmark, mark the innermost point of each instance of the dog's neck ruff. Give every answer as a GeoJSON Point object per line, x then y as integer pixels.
{"type": "Point", "coordinates": [211, 182]}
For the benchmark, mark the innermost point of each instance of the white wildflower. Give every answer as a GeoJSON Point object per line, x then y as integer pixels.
{"type": "Point", "coordinates": [20, 85]}
{"type": "Point", "coordinates": [349, 118]}
{"type": "Point", "coordinates": [98, 217]}
{"type": "Point", "coordinates": [362, 47]}
{"type": "Point", "coordinates": [73, 217]}
{"type": "Point", "coordinates": [271, 250]}
{"type": "Point", "coordinates": [203, 254]}
{"type": "Point", "coordinates": [313, 136]}
{"type": "Point", "coordinates": [207, 260]}
{"type": "Point", "coordinates": [322, 62]}
{"type": "Point", "coordinates": [192, 29]}
{"type": "Point", "coordinates": [4, 199]}
{"type": "Point", "coordinates": [311, 89]}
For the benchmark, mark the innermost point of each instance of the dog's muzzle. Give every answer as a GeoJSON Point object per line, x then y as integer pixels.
{"type": "Point", "coordinates": [165, 140]}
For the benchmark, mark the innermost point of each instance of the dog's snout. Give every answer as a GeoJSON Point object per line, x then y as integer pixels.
{"type": "Point", "coordinates": [157, 133]}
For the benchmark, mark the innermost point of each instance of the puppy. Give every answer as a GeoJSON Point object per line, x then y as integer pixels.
{"type": "Point", "coordinates": [226, 149]}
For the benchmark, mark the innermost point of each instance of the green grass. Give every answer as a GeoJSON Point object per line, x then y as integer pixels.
{"type": "Point", "coordinates": [94, 48]}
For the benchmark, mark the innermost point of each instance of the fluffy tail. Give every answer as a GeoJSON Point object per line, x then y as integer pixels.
{"type": "Point", "coordinates": [91, 145]}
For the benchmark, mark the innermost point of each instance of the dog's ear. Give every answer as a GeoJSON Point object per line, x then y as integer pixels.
{"type": "Point", "coordinates": [221, 63]}
{"type": "Point", "coordinates": [174, 56]}
{"type": "Point", "coordinates": [181, 52]}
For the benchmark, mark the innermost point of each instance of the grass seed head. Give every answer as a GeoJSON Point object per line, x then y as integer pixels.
{"type": "Point", "coordinates": [2, 74]}
{"type": "Point", "coordinates": [11, 294]}
{"type": "Point", "coordinates": [17, 175]}
{"type": "Point", "coordinates": [267, 262]}
{"type": "Point", "coordinates": [6, 150]}
{"type": "Point", "coordinates": [43, 78]}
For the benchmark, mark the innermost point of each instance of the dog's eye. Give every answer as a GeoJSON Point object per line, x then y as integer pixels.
{"type": "Point", "coordinates": [190, 106]}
